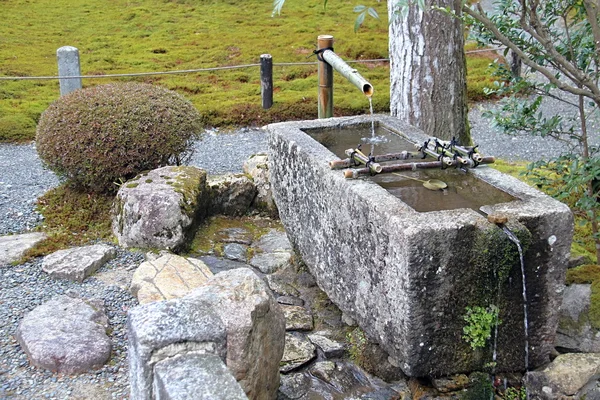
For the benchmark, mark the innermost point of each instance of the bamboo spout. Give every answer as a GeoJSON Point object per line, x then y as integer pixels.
{"type": "Point", "coordinates": [348, 72]}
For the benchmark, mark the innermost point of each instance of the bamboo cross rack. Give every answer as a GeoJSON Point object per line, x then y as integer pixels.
{"type": "Point", "coordinates": [443, 153]}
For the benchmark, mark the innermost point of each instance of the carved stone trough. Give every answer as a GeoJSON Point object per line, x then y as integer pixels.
{"type": "Point", "coordinates": [409, 277]}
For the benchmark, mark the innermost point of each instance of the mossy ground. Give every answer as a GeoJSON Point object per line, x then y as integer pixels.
{"type": "Point", "coordinates": [161, 35]}
{"type": "Point", "coordinates": [72, 218]}
{"type": "Point", "coordinates": [588, 274]}
{"type": "Point", "coordinates": [210, 234]}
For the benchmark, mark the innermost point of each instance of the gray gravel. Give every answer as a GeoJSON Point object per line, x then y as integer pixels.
{"type": "Point", "coordinates": [24, 287]}
{"type": "Point", "coordinates": [523, 147]}
{"type": "Point", "coordinates": [222, 152]}
{"type": "Point", "coordinates": [22, 180]}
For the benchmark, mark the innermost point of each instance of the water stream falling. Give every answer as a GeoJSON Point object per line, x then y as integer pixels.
{"type": "Point", "coordinates": [515, 240]}
{"type": "Point", "coordinates": [372, 125]}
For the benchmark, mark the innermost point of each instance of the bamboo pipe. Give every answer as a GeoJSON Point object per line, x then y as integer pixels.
{"type": "Point", "coordinates": [355, 173]}
{"type": "Point", "coordinates": [360, 157]}
{"type": "Point", "coordinates": [348, 72]}
{"type": "Point", "coordinates": [446, 160]}
{"type": "Point", "coordinates": [325, 71]}
{"type": "Point", "coordinates": [462, 150]}
{"type": "Point", "coordinates": [347, 163]}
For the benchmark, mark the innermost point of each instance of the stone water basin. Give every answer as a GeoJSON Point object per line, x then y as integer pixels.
{"type": "Point", "coordinates": [408, 275]}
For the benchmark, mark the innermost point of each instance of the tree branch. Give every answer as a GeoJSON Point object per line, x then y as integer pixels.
{"type": "Point", "coordinates": [593, 94]}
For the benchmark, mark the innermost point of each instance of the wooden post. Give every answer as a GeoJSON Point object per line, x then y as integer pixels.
{"type": "Point", "coordinates": [325, 79]}
{"type": "Point", "coordinates": [68, 65]}
{"type": "Point", "coordinates": [266, 80]}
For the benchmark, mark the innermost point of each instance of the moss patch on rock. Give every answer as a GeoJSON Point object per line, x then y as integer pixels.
{"type": "Point", "coordinates": [210, 234]}
{"type": "Point", "coordinates": [588, 274]}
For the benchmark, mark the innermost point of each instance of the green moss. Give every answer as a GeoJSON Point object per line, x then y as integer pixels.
{"type": "Point", "coordinates": [132, 185]}
{"type": "Point", "coordinates": [72, 218]}
{"type": "Point", "coordinates": [495, 255]}
{"type": "Point", "coordinates": [209, 234]}
{"type": "Point", "coordinates": [588, 274]}
{"type": "Point", "coordinates": [357, 343]}
{"type": "Point", "coordinates": [480, 388]}
{"type": "Point", "coordinates": [149, 181]}
{"type": "Point", "coordinates": [125, 37]}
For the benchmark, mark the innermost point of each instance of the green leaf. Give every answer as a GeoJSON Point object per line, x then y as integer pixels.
{"type": "Point", "coordinates": [359, 20]}
{"type": "Point", "coordinates": [373, 13]}
{"type": "Point", "coordinates": [359, 8]}
{"type": "Point", "coordinates": [277, 5]}
{"type": "Point", "coordinates": [325, 5]}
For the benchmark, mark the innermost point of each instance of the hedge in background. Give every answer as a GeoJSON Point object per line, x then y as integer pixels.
{"type": "Point", "coordinates": [107, 134]}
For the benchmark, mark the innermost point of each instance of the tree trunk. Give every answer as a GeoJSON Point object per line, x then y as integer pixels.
{"type": "Point", "coordinates": [428, 84]}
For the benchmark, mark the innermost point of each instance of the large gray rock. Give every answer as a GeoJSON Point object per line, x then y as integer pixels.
{"type": "Point", "coordinates": [157, 209]}
{"type": "Point", "coordinates": [66, 335]}
{"type": "Point", "coordinates": [230, 194]}
{"type": "Point", "coordinates": [195, 377]}
{"type": "Point", "coordinates": [407, 277]}
{"type": "Point", "coordinates": [12, 247]}
{"type": "Point", "coordinates": [168, 277]}
{"type": "Point", "coordinates": [565, 376]}
{"type": "Point", "coordinates": [77, 263]}
{"type": "Point", "coordinates": [575, 332]}
{"type": "Point", "coordinates": [257, 167]}
{"type": "Point", "coordinates": [255, 329]}
{"type": "Point", "coordinates": [165, 329]}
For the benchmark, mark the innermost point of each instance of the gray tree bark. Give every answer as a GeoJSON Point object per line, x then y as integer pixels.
{"type": "Point", "coordinates": [428, 79]}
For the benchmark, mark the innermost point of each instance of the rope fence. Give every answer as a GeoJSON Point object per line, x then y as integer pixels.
{"type": "Point", "coordinates": [188, 71]}
{"type": "Point", "coordinates": [69, 71]}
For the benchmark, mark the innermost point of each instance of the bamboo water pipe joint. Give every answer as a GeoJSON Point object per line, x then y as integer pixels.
{"type": "Point", "coordinates": [328, 61]}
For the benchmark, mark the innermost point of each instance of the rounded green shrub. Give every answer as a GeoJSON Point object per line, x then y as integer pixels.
{"type": "Point", "coordinates": [104, 135]}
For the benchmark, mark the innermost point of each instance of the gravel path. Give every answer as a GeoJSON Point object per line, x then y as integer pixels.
{"type": "Point", "coordinates": [23, 287]}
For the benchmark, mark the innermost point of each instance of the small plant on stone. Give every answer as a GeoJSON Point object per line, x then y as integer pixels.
{"type": "Point", "coordinates": [358, 342]}
{"type": "Point", "coordinates": [512, 393]}
{"type": "Point", "coordinates": [480, 323]}
{"type": "Point", "coordinates": [109, 133]}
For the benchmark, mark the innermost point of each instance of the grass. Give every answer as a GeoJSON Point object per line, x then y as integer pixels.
{"type": "Point", "coordinates": [125, 36]}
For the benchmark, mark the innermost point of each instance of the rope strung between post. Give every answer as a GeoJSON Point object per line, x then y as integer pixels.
{"type": "Point", "coordinates": [188, 71]}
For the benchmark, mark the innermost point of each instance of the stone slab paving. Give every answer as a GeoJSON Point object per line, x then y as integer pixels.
{"type": "Point", "coordinates": [12, 247]}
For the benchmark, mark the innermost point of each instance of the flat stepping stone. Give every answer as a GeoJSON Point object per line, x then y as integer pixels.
{"type": "Point", "coordinates": [66, 335]}
{"type": "Point", "coordinates": [168, 277]}
{"type": "Point", "coordinates": [77, 263]}
{"type": "Point", "coordinates": [12, 247]}
{"type": "Point", "coordinates": [297, 352]}
{"type": "Point", "coordinates": [273, 241]}
{"type": "Point", "coordinates": [297, 318]}
{"type": "Point", "coordinates": [236, 252]}
{"type": "Point", "coordinates": [268, 263]}
{"type": "Point", "coordinates": [330, 348]}
{"type": "Point", "coordinates": [218, 264]}
{"type": "Point", "coordinates": [235, 235]}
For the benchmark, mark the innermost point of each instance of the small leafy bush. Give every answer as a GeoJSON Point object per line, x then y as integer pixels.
{"type": "Point", "coordinates": [480, 322]}
{"type": "Point", "coordinates": [98, 136]}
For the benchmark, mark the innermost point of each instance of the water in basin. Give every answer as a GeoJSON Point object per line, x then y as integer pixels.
{"type": "Point", "coordinates": [464, 190]}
